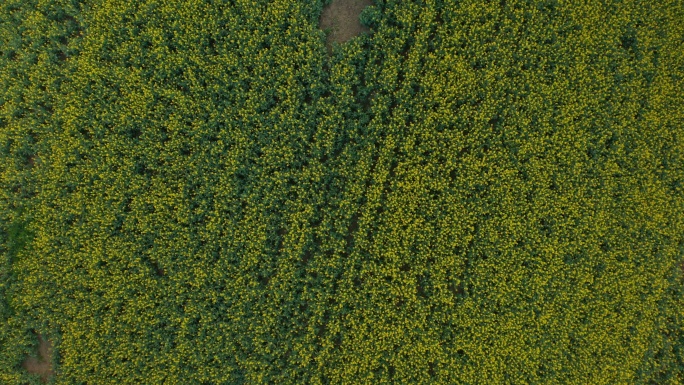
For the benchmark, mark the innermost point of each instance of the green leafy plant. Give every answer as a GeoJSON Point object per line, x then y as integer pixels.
{"type": "Point", "coordinates": [474, 193]}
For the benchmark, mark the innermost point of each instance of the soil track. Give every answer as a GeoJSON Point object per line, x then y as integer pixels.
{"type": "Point", "coordinates": [41, 365]}
{"type": "Point", "coordinates": [342, 17]}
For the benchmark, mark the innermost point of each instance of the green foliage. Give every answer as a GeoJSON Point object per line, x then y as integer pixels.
{"type": "Point", "coordinates": [475, 193]}
{"type": "Point", "coordinates": [370, 16]}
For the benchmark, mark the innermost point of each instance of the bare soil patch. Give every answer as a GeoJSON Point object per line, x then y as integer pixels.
{"type": "Point", "coordinates": [342, 17]}
{"type": "Point", "coordinates": [42, 364]}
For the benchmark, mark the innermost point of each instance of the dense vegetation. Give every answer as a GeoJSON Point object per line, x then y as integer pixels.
{"type": "Point", "coordinates": [195, 192]}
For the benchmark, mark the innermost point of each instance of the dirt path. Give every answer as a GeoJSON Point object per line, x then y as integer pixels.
{"type": "Point", "coordinates": [342, 17]}
{"type": "Point", "coordinates": [41, 365]}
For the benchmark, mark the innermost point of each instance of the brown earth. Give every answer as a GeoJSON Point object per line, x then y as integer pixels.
{"type": "Point", "coordinates": [342, 18]}
{"type": "Point", "coordinates": [41, 365]}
